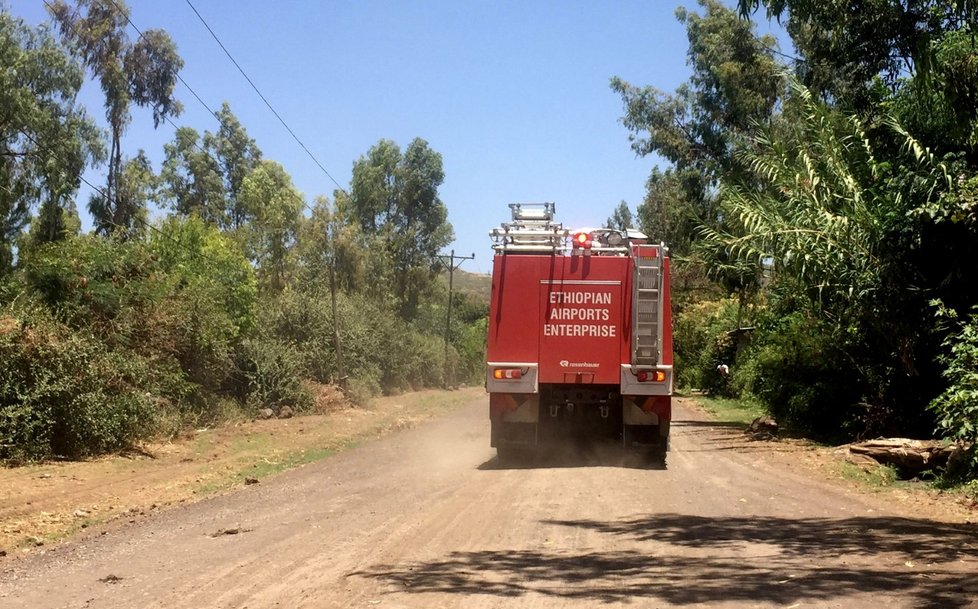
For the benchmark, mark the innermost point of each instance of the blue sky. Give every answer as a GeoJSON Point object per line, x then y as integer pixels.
{"type": "Point", "coordinates": [513, 94]}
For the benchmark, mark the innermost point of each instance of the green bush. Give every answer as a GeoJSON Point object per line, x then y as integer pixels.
{"type": "Point", "coordinates": [104, 285]}
{"type": "Point", "coordinates": [199, 259]}
{"type": "Point", "coordinates": [271, 374]}
{"type": "Point", "coordinates": [472, 352]}
{"type": "Point", "coordinates": [361, 390]}
{"type": "Point", "coordinates": [702, 341]}
{"type": "Point", "coordinates": [797, 367]}
{"type": "Point", "coordinates": [957, 406]}
{"type": "Point", "coordinates": [380, 350]}
{"type": "Point", "coordinates": [209, 303]}
{"type": "Point", "coordinates": [64, 394]}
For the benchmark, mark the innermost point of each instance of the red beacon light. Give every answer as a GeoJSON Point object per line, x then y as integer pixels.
{"type": "Point", "coordinates": [582, 240]}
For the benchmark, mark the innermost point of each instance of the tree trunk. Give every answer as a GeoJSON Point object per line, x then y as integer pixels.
{"type": "Point", "coordinates": [910, 457]}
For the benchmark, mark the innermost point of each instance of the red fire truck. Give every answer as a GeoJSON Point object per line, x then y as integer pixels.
{"type": "Point", "coordinates": [580, 338]}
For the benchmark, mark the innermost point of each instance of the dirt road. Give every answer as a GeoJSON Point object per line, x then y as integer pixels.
{"type": "Point", "coordinates": [427, 518]}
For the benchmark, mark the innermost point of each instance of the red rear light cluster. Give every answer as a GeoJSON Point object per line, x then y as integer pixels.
{"type": "Point", "coordinates": [507, 373]}
{"type": "Point", "coordinates": [652, 376]}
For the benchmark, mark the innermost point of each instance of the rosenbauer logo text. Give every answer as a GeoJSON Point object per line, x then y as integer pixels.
{"type": "Point", "coordinates": [566, 364]}
{"type": "Point", "coordinates": [569, 309]}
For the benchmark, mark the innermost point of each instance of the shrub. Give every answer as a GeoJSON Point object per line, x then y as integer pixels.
{"type": "Point", "coordinates": [380, 350]}
{"type": "Point", "coordinates": [957, 406]}
{"type": "Point", "coordinates": [271, 374]}
{"type": "Point", "coordinates": [794, 365]}
{"type": "Point", "coordinates": [104, 285]}
{"type": "Point", "coordinates": [702, 341]}
{"type": "Point", "coordinates": [64, 394]}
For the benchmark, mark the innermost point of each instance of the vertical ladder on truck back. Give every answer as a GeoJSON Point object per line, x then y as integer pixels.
{"type": "Point", "coordinates": [646, 305]}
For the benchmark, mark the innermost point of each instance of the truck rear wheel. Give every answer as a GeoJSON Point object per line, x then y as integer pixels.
{"type": "Point", "coordinates": [648, 443]}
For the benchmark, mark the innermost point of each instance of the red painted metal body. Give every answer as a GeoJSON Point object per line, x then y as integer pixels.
{"type": "Point", "coordinates": [538, 314]}
{"type": "Point", "coordinates": [566, 321]}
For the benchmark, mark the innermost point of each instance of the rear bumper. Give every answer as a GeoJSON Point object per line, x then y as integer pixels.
{"type": "Point", "coordinates": [630, 385]}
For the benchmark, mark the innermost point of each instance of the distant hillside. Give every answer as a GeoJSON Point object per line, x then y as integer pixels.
{"type": "Point", "coordinates": [473, 283]}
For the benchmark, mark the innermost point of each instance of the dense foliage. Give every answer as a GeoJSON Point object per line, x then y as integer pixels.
{"type": "Point", "coordinates": [831, 190]}
{"type": "Point", "coordinates": [211, 289]}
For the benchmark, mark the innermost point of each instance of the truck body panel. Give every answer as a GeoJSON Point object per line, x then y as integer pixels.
{"type": "Point", "coordinates": [579, 337]}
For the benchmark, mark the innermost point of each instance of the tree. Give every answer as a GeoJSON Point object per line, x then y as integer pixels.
{"type": "Point", "coordinates": [394, 196]}
{"type": "Point", "coordinates": [735, 85]}
{"type": "Point", "coordinates": [942, 111]}
{"type": "Point", "coordinates": [267, 194]}
{"type": "Point", "coordinates": [45, 139]}
{"type": "Point", "coordinates": [127, 216]}
{"type": "Point", "coordinates": [734, 90]}
{"type": "Point", "coordinates": [847, 49]}
{"type": "Point", "coordinates": [192, 180]}
{"type": "Point", "coordinates": [204, 175]}
{"type": "Point", "coordinates": [621, 218]}
{"type": "Point", "coordinates": [142, 73]}
{"type": "Point", "coordinates": [851, 251]}
{"type": "Point", "coordinates": [237, 155]}
{"type": "Point", "coordinates": [328, 243]}
{"type": "Point", "coordinates": [664, 214]}
{"type": "Point", "coordinates": [53, 223]}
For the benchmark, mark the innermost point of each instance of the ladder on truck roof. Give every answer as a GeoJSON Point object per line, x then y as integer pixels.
{"type": "Point", "coordinates": [647, 304]}
{"type": "Point", "coordinates": [531, 230]}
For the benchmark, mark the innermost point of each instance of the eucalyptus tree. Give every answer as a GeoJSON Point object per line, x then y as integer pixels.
{"type": "Point", "coordinates": [268, 195]}
{"type": "Point", "coordinates": [203, 175]}
{"type": "Point", "coordinates": [394, 197]}
{"type": "Point", "coordinates": [126, 216]}
{"type": "Point", "coordinates": [327, 244]}
{"type": "Point", "coordinates": [735, 85]}
{"type": "Point", "coordinates": [191, 179]}
{"type": "Point", "coordinates": [46, 140]}
{"type": "Point", "coordinates": [620, 218]}
{"type": "Point", "coordinates": [237, 155]}
{"type": "Point", "coordinates": [735, 88]}
{"type": "Point", "coordinates": [143, 73]}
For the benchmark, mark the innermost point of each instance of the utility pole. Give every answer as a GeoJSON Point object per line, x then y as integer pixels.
{"type": "Point", "coordinates": [337, 345]}
{"type": "Point", "coordinates": [451, 258]}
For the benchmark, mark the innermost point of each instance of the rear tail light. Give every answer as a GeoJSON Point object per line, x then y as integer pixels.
{"type": "Point", "coordinates": [652, 376]}
{"type": "Point", "coordinates": [507, 373]}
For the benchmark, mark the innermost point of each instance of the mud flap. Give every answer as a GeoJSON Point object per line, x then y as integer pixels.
{"type": "Point", "coordinates": [513, 420]}
{"type": "Point", "coordinates": [643, 431]}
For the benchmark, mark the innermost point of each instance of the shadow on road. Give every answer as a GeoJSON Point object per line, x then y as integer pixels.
{"type": "Point", "coordinates": [694, 560]}
{"type": "Point", "coordinates": [588, 455]}
{"type": "Point", "coordinates": [712, 436]}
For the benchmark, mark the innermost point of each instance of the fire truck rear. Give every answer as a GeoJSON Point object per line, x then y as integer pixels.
{"type": "Point", "coordinates": [580, 341]}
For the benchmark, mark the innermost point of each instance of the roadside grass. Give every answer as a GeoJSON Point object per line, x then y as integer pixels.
{"type": "Point", "coordinates": [407, 410]}
{"type": "Point", "coordinates": [195, 465]}
{"type": "Point", "coordinates": [730, 411]}
{"type": "Point", "coordinates": [875, 478]}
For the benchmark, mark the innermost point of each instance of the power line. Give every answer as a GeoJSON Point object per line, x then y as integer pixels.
{"type": "Point", "coordinates": [197, 145]}
{"type": "Point", "coordinates": [212, 112]}
{"type": "Point", "coordinates": [263, 98]}
{"type": "Point", "coordinates": [133, 25]}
